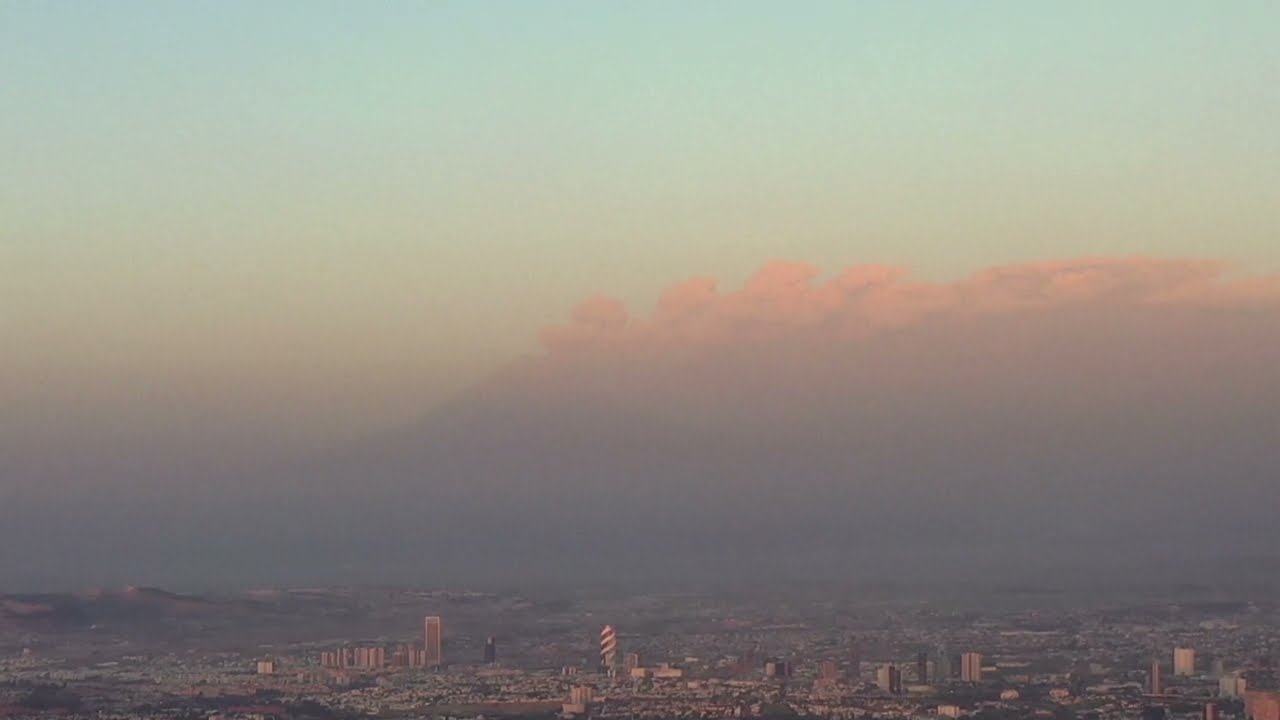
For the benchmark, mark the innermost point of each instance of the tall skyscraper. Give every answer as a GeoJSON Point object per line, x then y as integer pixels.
{"type": "Point", "coordinates": [1156, 686]}
{"type": "Point", "coordinates": [855, 659]}
{"type": "Point", "coordinates": [608, 647]}
{"type": "Point", "coordinates": [433, 641]}
{"type": "Point", "coordinates": [1210, 711]}
{"type": "Point", "coordinates": [1184, 661]}
{"type": "Point", "coordinates": [944, 668]}
{"type": "Point", "coordinates": [922, 667]}
{"type": "Point", "coordinates": [490, 651]}
{"type": "Point", "coordinates": [889, 679]}
{"type": "Point", "coordinates": [631, 661]}
{"type": "Point", "coordinates": [971, 667]}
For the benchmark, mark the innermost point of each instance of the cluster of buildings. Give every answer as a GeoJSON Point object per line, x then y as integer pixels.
{"type": "Point", "coordinates": [428, 655]}
{"type": "Point", "coordinates": [700, 658]}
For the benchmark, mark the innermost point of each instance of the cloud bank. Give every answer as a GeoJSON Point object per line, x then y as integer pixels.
{"type": "Point", "coordinates": [786, 300]}
{"type": "Point", "coordinates": [1021, 418]}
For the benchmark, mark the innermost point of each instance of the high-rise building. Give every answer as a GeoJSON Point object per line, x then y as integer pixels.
{"type": "Point", "coordinates": [1155, 684]}
{"type": "Point", "coordinates": [971, 667]}
{"type": "Point", "coordinates": [828, 672]}
{"type": "Point", "coordinates": [490, 651]}
{"type": "Point", "coordinates": [1232, 686]}
{"type": "Point", "coordinates": [608, 647]}
{"type": "Point", "coordinates": [855, 659]}
{"type": "Point", "coordinates": [944, 669]}
{"type": "Point", "coordinates": [1262, 705]}
{"type": "Point", "coordinates": [433, 637]}
{"type": "Point", "coordinates": [631, 661]}
{"type": "Point", "coordinates": [1184, 661]}
{"type": "Point", "coordinates": [1210, 711]}
{"type": "Point", "coordinates": [922, 668]}
{"type": "Point", "coordinates": [889, 679]}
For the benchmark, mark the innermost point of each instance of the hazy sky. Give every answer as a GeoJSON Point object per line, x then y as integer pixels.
{"type": "Point", "coordinates": [237, 230]}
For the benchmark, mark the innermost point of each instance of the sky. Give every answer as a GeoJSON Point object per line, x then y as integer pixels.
{"type": "Point", "coordinates": [237, 235]}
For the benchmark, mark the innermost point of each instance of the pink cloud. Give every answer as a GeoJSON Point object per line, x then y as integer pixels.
{"type": "Point", "coordinates": [787, 301]}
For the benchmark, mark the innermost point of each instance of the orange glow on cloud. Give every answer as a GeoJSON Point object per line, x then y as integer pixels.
{"type": "Point", "coordinates": [786, 300]}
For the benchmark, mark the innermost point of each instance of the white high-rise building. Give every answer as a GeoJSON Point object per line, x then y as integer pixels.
{"type": "Point", "coordinates": [1184, 661]}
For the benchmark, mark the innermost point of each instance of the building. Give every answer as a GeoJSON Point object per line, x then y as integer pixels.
{"type": "Point", "coordinates": [608, 648]}
{"type": "Point", "coordinates": [971, 667]}
{"type": "Point", "coordinates": [1210, 712]}
{"type": "Point", "coordinates": [579, 700]}
{"type": "Point", "coordinates": [922, 668]}
{"type": "Point", "coordinates": [889, 679]}
{"type": "Point", "coordinates": [490, 651]}
{"type": "Point", "coordinates": [1232, 686]}
{"type": "Point", "coordinates": [944, 668]}
{"type": "Point", "coordinates": [666, 671]}
{"type": "Point", "coordinates": [631, 661]}
{"type": "Point", "coordinates": [855, 659]}
{"type": "Point", "coordinates": [1184, 661]}
{"type": "Point", "coordinates": [1154, 683]}
{"type": "Point", "coordinates": [266, 667]}
{"type": "Point", "coordinates": [828, 672]}
{"type": "Point", "coordinates": [433, 640]}
{"type": "Point", "coordinates": [1260, 705]}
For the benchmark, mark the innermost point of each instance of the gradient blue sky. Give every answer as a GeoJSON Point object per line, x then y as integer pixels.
{"type": "Point", "coordinates": [350, 210]}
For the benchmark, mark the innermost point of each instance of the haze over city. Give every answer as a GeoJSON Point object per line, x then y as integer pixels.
{"type": "Point", "coordinates": [567, 360]}
{"type": "Point", "coordinates": [519, 292]}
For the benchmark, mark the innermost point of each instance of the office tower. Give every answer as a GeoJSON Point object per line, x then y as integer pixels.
{"type": "Point", "coordinates": [434, 641]}
{"type": "Point", "coordinates": [971, 667]}
{"type": "Point", "coordinates": [1217, 669]}
{"type": "Point", "coordinates": [1232, 686]}
{"type": "Point", "coordinates": [855, 659]}
{"type": "Point", "coordinates": [1210, 711]}
{"type": "Point", "coordinates": [1156, 686]}
{"type": "Point", "coordinates": [944, 668]}
{"type": "Point", "coordinates": [631, 661]}
{"type": "Point", "coordinates": [608, 647]}
{"type": "Point", "coordinates": [922, 668]}
{"type": "Point", "coordinates": [827, 671]}
{"type": "Point", "coordinates": [490, 651]}
{"type": "Point", "coordinates": [889, 679]}
{"type": "Point", "coordinates": [1184, 661]}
